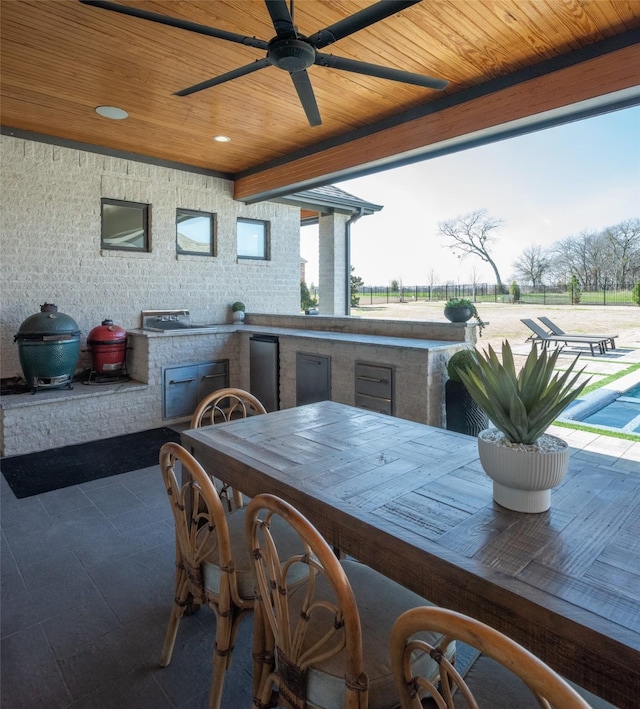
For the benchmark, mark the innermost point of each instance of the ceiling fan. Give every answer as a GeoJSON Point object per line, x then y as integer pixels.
{"type": "Point", "coordinates": [291, 51]}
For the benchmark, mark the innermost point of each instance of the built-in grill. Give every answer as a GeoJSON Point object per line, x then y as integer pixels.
{"type": "Point", "coordinates": [48, 348]}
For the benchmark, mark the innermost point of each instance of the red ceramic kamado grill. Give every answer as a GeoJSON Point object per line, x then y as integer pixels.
{"type": "Point", "coordinates": [108, 347]}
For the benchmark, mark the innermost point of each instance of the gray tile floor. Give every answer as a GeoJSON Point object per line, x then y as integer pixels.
{"type": "Point", "coordinates": [87, 587]}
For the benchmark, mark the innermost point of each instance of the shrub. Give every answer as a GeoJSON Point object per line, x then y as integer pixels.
{"type": "Point", "coordinates": [576, 291]}
{"type": "Point", "coordinates": [462, 359]}
{"type": "Point", "coordinates": [514, 291]}
{"type": "Point", "coordinates": [466, 303]}
{"type": "Point", "coordinates": [356, 283]}
{"type": "Point", "coordinates": [635, 293]}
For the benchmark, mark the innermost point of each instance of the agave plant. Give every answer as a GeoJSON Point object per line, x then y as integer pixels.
{"type": "Point", "coordinates": [522, 405]}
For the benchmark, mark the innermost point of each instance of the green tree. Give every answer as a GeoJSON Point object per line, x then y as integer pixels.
{"type": "Point", "coordinates": [306, 301]}
{"type": "Point", "coordinates": [514, 291]}
{"type": "Point", "coordinates": [356, 283]}
{"type": "Point", "coordinates": [635, 293]}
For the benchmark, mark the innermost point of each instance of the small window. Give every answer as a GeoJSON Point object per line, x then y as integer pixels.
{"type": "Point", "coordinates": [195, 233]}
{"type": "Point", "coordinates": [125, 225]}
{"type": "Point", "coordinates": [253, 239]}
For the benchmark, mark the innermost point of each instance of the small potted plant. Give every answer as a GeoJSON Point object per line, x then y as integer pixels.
{"type": "Point", "coordinates": [461, 310]}
{"type": "Point", "coordinates": [523, 461]}
{"type": "Point", "coordinates": [238, 309]}
{"type": "Point", "coordinates": [463, 414]}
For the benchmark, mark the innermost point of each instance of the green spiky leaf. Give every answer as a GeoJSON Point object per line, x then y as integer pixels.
{"type": "Point", "coordinates": [521, 405]}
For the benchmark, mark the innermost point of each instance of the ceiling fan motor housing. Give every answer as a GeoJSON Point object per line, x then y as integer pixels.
{"type": "Point", "coordinates": [291, 54]}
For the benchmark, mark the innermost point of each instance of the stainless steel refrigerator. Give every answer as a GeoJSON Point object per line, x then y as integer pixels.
{"type": "Point", "coordinates": [264, 371]}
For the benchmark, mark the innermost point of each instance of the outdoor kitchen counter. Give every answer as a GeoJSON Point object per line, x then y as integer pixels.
{"type": "Point", "coordinates": [414, 352]}
{"type": "Point", "coordinates": [351, 337]}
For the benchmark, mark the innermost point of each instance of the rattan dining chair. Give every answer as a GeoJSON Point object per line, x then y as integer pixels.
{"type": "Point", "coordinates": [224, 405]}
{"type": "Point", "coordinates": [323, 642]}
{"type": "Point", "coordinates": [506, 675]}
{"type": "Point", "coordinates": [212, 565]}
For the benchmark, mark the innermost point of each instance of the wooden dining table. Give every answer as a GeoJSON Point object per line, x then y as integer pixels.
{"type": "Point", "coordinates": [412, 501]}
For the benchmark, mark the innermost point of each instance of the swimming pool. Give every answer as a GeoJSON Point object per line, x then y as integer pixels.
{"type": "Point", "coordinates": [608, 409]}
{"type": "Point", "coordinates": [633, 393]}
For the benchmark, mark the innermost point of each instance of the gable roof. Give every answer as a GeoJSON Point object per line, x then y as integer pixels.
{"type": "Point", "coordinates": [328, 199]}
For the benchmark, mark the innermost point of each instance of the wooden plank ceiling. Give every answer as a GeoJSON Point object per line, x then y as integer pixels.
{"type": "Point", "coordinates": [504, 59]}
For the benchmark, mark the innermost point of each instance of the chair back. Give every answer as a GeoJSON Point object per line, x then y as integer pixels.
{"type": "Point", "coordinates": [202, 534]}
{"type": "Point", "coordinates": [548, 688]}
{"type": "Point", "coordinates": [225, 404]}
{"type": "Point", "coordinates": [534, 327]}
{"type": "Point", "coordinates": [307, 608]}
{"type": "Point", "coordinates": [555, 330]}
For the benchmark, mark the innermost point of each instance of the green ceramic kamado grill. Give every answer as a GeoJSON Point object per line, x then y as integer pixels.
{"type": "Point", "coordinates": [49, 348]}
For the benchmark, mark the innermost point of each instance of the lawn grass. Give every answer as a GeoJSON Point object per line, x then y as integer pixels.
{"type": "Point", "coordinates": [598, 431]}
{"type": "Point", "coordinates": [610, 378]}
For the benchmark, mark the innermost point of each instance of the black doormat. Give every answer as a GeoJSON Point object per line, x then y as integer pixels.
{"type": "Point", "coordinates": [35, 473]}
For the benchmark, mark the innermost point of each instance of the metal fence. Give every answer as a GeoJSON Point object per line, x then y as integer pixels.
{"type": "Point", "coordinates": [485, 292]}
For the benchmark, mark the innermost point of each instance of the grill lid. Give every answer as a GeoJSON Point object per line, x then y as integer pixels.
{"type": "Point", "coordinates": [107, 334]}
{"type": "Point", "coordinates": [48, 324]}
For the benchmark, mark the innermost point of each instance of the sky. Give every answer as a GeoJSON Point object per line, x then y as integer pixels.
{"type": "Point", "coordinates": [544, 187]}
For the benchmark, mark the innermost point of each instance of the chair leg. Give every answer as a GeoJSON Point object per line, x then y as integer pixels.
{"type": "Point", "coordinates": [177, 611]}
{"type": "Point", "coordinates": [226, 625]}
{"type": "Point", "coordinates": [263, 659]}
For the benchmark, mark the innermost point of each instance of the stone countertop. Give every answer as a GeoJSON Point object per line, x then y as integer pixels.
{"type": "Point", "coordinates": [52, 395]}
{"type": "Point", "coordinates": [277, 331]}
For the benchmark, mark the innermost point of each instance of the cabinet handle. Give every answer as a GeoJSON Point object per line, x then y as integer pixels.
{"type": "Point", "coordinates": [212, 376]}
{"type": "Point", "coordinates": [182, 381]}
{"type": "Point", "coordinates": [312, 361]}
{"type": "Point", "coordinates": [373, 379]}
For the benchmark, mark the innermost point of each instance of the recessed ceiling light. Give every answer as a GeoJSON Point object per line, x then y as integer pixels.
{"type": "Point", "coordinates": [117, 114]}
{"type": "Point", "coordinates": [222, 138]}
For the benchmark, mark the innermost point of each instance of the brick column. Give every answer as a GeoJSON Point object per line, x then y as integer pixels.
{"type": "Point", "coordinates": [332, 264]}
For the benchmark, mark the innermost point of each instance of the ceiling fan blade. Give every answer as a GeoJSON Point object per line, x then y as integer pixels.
{"type": "Point", "coordinates": [176, 22]}
{"type": "Point", "coordinates": [307, 98]}
{"type": "Point", "coordinates": [233, 74]}
{"type": "Point", "coordinates": [281, 18]}
{"type": "Point", "coordinates": [381, 72]}
{"type": "Point", "coordinates": [358, 21]}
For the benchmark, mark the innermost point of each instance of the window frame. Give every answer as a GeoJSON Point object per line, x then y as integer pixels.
{"type": "Point", "coordinates": [266, 239]}
{"type": "Point", "coordinates": [212, 232]}
{"type": "Point", "coordinates": [145, 210]}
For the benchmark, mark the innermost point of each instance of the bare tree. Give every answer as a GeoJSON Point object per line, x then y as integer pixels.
{"type": "Point", "coordinates": [474, 276]}
{"type": "Point", "coordinates": [624, 243]}
{"type": "Point", "coordinates": [472, 235]}
{"type": "Point", "coordinates": [584, 256]}
{"type": "Point", "coordinates": [532, 265]}
{"type": "Point", "coordinates": [432, 280]}
{"type": "Point", "coordinates": [432, 277]}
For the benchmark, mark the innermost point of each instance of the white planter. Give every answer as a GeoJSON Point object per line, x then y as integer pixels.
{"type": "Point", "coordinates": [523, 475]}
{"type": "Point", "coordinates": [238, 316]}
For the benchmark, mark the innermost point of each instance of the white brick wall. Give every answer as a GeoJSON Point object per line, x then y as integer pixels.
{"type": "Point", "coordinates": [50, 240]}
